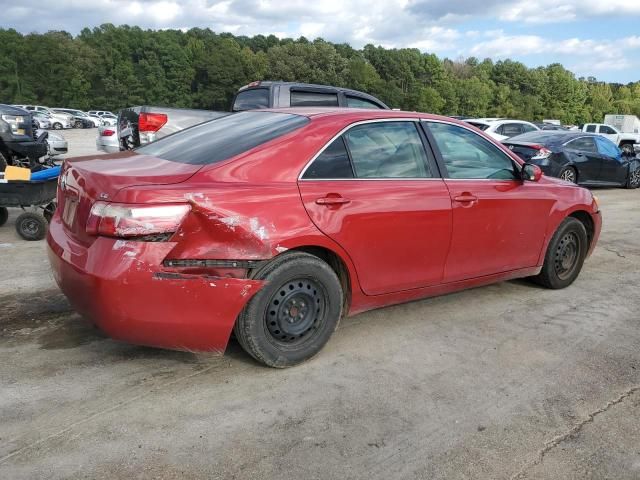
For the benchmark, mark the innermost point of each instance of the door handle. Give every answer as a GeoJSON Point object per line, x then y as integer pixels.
{"type": "Point", "coordinates": [465, 198]}
{"type": "Point", "coordinates": [332, 200]}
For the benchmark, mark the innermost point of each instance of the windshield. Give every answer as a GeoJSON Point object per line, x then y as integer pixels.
{"type": "Point", "coordinates": [223, 138]}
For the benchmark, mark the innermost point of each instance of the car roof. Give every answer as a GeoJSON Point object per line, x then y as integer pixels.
{"type": "Point", "coordinates": [357, 114]}
{"type": "Point", "coordinates": [14, 109]}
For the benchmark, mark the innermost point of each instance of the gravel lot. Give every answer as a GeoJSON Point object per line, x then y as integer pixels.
{"type": "Point", "coordinates": [506, 381]}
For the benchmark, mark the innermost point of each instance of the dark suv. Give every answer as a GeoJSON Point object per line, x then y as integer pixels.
{"type": "Point", "coordinates": [291, 94]}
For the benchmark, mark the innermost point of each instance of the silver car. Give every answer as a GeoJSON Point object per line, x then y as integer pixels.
{"type": "Point", "coordinates": [42, 120]}
{"type": "Point", "coordinates": [107, 139]}
{"type": "Point", "coordinates": [57, 143]}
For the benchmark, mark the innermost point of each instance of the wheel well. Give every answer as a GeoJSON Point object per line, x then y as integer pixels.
{"type": "Point", "coordinates": [587, 221]}
{"type": "Point", "coordinates": [338, 266]}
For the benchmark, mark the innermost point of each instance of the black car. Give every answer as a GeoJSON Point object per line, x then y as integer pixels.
{"type": "Point", "coordinates": [17, 138]}
{"type": "Point", "coordinates": [577, 157]}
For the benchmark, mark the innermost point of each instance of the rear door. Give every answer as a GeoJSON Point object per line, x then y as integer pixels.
{"type": "Point", "coordinates": [585, 156]}
{"type": "Point", "coordinates": [376, 192]}
{"type": "Point", "coordinates": [499, 221]}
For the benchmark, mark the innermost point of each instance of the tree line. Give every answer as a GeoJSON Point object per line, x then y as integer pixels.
{"type": "Point", "coordinates": [111, 67]}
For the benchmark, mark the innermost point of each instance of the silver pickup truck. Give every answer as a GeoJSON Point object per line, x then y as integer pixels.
{"type": "Point", "coordinates": [143, 124]}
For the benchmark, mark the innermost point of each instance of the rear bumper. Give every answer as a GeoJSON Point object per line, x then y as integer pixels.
{"type": "Point", "coordinates": [122, 288]}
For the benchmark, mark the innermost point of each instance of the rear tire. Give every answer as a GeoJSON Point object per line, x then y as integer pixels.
{"type": "Point", "coordinates": [565, 255]}
{"type": "Point", "coordinates": [627, 148]}
{"type": "Point", "coordinates": [633, 180]}
{"type": "Point", "coordinates": [57, 126]}
{"type": "Point", "coordinates": [77, 124]}
{"type": "Point", "coordinates": [4, 215]}
{"type": "Point", "coordinates": [568, 174]}
{"type": "Point", "coordinates": [31, 226]}
{"type": "Point", "coordinates": [295, 313]}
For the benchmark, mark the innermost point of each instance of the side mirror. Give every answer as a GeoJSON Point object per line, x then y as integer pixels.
{"type": "Point", "coordinates": [531, 172]}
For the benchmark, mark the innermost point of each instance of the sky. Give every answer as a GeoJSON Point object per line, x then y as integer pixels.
{"type": "Point", "coordinates": [599, 38]}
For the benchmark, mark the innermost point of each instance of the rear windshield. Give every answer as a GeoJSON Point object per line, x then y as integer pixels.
{"type": "Point", "coordinates": [481, 126]}
{"type": "Point", "coordinates": [223, 138]}
{"type": "Point", "coordinates": [251, 99]}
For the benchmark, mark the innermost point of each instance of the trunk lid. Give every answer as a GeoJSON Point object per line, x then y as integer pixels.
{"type": "Point", "coordinates": [85, 180]}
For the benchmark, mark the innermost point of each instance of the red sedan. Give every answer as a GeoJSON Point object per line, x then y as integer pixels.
{"type": "Point", "coordinates": [276, 223]}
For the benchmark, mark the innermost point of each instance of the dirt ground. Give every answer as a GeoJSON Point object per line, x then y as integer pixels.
{"type": "Point", "coordinates": [501, 382]}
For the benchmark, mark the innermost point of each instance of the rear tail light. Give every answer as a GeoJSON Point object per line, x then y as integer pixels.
{"type": "Point", "coordinates": [151, 122]}
{"type": "Point", "coordinates": [108, 133]}
{"type": "Point", "coordinates": [542, 152]}
{"type": "Point", "coordinates": [125, 220]}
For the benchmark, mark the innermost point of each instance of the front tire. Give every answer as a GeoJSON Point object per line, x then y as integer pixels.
{"type": "Point", "coordinates": [295, 313]}
{"type": "Point", "coordinates": [633, 180]}
{"type": "Point", "coordinates": [569, 174]}
{"type": "Point", "coordinates": [57, 126]}
{"type": "Point", "coordinates": [565, 255]}
{"type": "Point", "coordinates": [4, 215]}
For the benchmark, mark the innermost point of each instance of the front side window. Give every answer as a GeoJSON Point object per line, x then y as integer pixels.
{"type": "Point", "coordinates": [584, 144]}
{"type": "Point", "coordinates": [301, 98]}
{"type": "Point", "coordinates": [469, 156]}
{"type": "Point", "coordinates": [251, 99]}
{"type": "Point", "coordinates": [607, 130]}
{"type": "Point", "coordinates": [387, 150]}
{"type": "Point", "coordinates": [591, 128]}
{"type": "Point", "coordinates": [531, 128]}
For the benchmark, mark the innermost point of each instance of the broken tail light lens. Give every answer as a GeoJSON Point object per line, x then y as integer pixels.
{"type": "Point", "coordinates": [126, 220]}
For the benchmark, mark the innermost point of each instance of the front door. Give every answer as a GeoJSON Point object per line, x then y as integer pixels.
{"type": "Point", "coordinates": [615, 166]}
{"type": "Point", "coordinates": [376, 193]}
{"type": "Point", "coordinates": [499, 221]}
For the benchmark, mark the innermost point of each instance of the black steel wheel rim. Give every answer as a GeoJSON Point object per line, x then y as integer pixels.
{"type": "Point", "coordinates": [296, 311]}
{"type": "Point", "coordinates": [567, 255]}
{"type": "Point", "coordinates": [569, 175]}
{"type": "Point", "coordinates": [30, 226]}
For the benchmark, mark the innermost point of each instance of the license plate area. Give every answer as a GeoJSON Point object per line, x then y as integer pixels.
{"type": "Point", "coordinates": [69, 211]}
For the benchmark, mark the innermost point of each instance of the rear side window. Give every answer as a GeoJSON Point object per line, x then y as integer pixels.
{"type": "Point", "coordinates": [584, 144]}
{"type": "Point", "coordinates": [251, 99]}
{"type": "Point", "coordinates": [301, 98]}
{"type": "Point", "coordinates": [333, 162]}
{"type": "Point", "coordinates": [355, 102]}
{"type": "Point", "coordinates": [511, 129]}
{"type": "Point", "coordinates": [223, 138]}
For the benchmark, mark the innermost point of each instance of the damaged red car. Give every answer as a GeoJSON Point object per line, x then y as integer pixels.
{"type": "Point", "coordinates": [276, 223]}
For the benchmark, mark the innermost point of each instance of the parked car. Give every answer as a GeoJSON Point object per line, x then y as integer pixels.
{"type": "Point", "coordinates": [502, 128]}
{"type": "Point", "coordinates": [100, 113]}
{"type": "Point", "coordinates": [109, 120]}
{"type": "Point", "coordinates": [625, 141]}
{"type": "Point", "coordinates": [144, 124]}
{"type": "Point", "coordinates": [549, 126]}
{"type": "Point", "coordinates": [107, 140]}
{"type": "Point", "coordinates": [577, 157]}
{"type": "Point", "coordinates": [264, 222]}
{"type": "Point", "coordinates": [58, 120]}
{"type": "Point", "coordinates": [57, 145]}
{"type": "Point", "coordinates": [41, 120]}
{"type": "Point", "coordinates": [80, 119]}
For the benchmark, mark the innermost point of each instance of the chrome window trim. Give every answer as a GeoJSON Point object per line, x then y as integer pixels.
{"type": "Point", "coordinates": [344, 130]}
